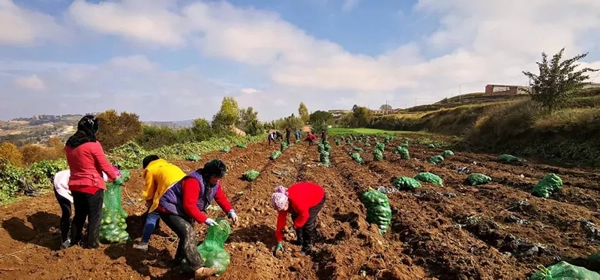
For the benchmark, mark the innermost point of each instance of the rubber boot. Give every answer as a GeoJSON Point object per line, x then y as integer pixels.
{"type": "Point", "coordinates": [204, 272]}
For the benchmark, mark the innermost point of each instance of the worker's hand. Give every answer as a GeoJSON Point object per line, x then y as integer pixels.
{"type": "Point", "coordinates": [118, 181]}
{"type": "Point", "coordinates": [210, 222]}
{"type": "Point", "coordinates": [233, 216]}
{"type": "Point", "coordinates": [278, 248]}
{"type": "Point", "coordinates": [148, 203]}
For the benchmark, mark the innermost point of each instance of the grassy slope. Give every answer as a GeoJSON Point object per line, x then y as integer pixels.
{"type": "Point", "coordinates": [516, 126]}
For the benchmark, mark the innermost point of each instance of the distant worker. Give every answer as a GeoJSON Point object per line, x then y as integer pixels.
{"type": "Point", "coordinates": [288, 134]}
{"type": "Point", "coordinates": [87, 161]}
{"type": "Point", "coordinates": [298, 134]}
{"type": "Point", "coordinates": [323, 136]}
{"type": "Point", "coordinates": [185, 202]}
{"type": "Point", "coordinates": [272, 138]}
{"type": "Point", "coordinates": [311, 138]}
{"type": "Point", "coordinates": [304, 200]}
{"type": "Point", "coordinates": [159, 175]}
{"type": "Point", "coordinates": [279, 135]}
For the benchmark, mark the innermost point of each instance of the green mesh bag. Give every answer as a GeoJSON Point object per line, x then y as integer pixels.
{"type": "Point", "coordinates": [406, 183]}
{"type": "Point", "coordinates": [212, 250]}
{"type": "Point", "coordinates": [226, 149]}
{"type": "Point", "coordinates": [324, 157]}
{"type": "Point", "coordinates": [507, 158]}
{"type": "Point", "coordinates": [242, 145]}
{"type": "Point", "coordinates": [404, 145]}
{"type": "Point", "coordinates": [403, 152]}
{"type": "Point", "coordinates": [380, 146]}
{"type": "Point", "coordinates": [356, 157]}
{"type": "Point", "coordinates": [275, 155]}
{"type": "Point", "coordinates": [358, 149]}
{"type": "Point", "coordinates": [448, 153]}
{"type": "Point", "coordinates": [432, 146]}
{"type": "Point", "coordinates": [377, 155]}
{"type": "Point", "coordinates": [367, 144]}
{"type": "Point", "coordinates": [192, 157]}
{"type": "Point", "coordinates": [283, 146]}
{"type": "Point", "coordinates": [378, 209]}
{"type": "Point", "coordinates": [478, 179]}
{"type": "Point", "coordinates": [320, 147]}
{"type": "Point", "coordinates": [327, 148]}
{"type": "Point", "coordinates": [113, 227]}
{"type": "Point", "coordinates": [337, 142]}
{"type": "Point", "coordinates": [566, 271]}
{"type": "Point", "coordinates": [251, 175]}
{"type": "Point", "coordinates": [547, 186]}
{"type": "Point", "coordinates": [125, 175]}
{"type": "Point", "coordinates": [437, 159]}
{"type": "Point", "coordinates": [431, 178]}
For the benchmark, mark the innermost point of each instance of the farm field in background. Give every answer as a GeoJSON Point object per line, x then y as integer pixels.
{"type": "Point", "coordinates": [455, 231]}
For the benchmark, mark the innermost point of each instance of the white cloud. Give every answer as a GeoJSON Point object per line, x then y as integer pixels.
{"type": "Point", "coordinates": [135, 63]}
{"type": "Point", "coordinates": [20, 26]}
{"type": "Point", "coordinates": [249, 90]}
{"type": "Point", "coordinates": [349, 5]}
{"type": "Point", "coordinates": [32, 82]}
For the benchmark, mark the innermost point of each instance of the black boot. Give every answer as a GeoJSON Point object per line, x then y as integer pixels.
{"type": "Point", "coordinates": [306, 249]}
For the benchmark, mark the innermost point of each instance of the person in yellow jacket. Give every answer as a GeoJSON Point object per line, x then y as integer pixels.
{"type": "Point", "coordinates": [159, 175]}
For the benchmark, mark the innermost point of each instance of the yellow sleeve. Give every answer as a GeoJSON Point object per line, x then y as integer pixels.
{"type": "Point", "coordinates": [150, 187]}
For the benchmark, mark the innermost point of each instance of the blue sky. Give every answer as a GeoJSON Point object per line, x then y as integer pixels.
{"type": "Point", "coordinates": [176, 59]}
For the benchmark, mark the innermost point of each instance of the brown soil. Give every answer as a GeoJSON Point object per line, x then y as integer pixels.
{"type": "Point", "coordinates": [496, 231]}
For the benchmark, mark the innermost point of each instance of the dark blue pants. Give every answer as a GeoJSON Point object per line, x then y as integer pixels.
{"type": "Point", "coordinates": [152, 221]}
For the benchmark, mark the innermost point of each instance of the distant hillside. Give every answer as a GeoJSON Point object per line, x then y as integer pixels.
{"type": "Point", "coordinates": [40, 128]}
{"type": "Point", "coordinates": [476, 98]}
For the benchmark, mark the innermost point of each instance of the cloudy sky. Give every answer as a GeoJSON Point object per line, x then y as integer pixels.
{"type": "Point", "coordinates": [176, 59]}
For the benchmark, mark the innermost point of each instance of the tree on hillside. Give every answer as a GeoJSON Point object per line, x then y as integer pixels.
{"type": "Point", "coordinates": [118, 129]}
{"type": "Point", "coordinates": [226, 117]}
{"type": "Point", "coordinates": [360, 116]}
{"type": "Point", "coordinates": [303, 112]}
{"type": "Point", "coordinates": [321, 117]}
{"type": "Point", "coordinates": [201, 130]}
{"type": "Point", "coordinates": [385, 107]}
{"type": "Point", "coordinates": [157, 136]}
{"type": "Point", "coordinates": [57, 147]}
{"type": "Point", "coordinates": [557, 79]}
{"type": "Point", "coordinates": [10, 152]}
{"type": "Point", "coordinates": [248, 121]}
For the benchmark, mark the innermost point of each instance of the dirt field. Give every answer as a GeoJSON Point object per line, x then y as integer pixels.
{"type": "Point", "coordinates": [496, 231]}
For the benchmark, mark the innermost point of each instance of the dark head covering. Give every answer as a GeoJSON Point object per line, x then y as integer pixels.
{"type": "Point", "coordinates": [147, 160]}
{"type": "Point", "coordinates": [86, 131]}
{"type": "Point", "coordinates": [215, 167]}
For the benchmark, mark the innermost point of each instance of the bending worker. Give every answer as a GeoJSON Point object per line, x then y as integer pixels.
{"type": "Point", "coordinates": [304, 200]}
{"type": "Point", "coordinates": [185, 202]}
{"type": "Point", "coordinates": [159, 176]}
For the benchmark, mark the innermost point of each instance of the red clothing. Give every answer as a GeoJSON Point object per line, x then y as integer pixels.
{"type": "Point", "coordinates": [87, 162]}
{"type": "Point", "coordinates": [312, 136]}
{"type": "Point", "coordinates": [301, 197]}
{"type": "Point", "coordinates": [191, 194]}
{"type": "Point", "coordinates": [323, 135]}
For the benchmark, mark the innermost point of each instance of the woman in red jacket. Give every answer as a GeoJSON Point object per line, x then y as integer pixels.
{"type": "Point", "coordinates": [304, 200]}
{"type": "Point", "coordinates": [185, 201]}
{"type": "Point", "coordinates": [87, 161]}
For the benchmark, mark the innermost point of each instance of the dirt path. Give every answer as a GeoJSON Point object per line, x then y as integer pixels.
{"type": "Point", "coordinates": [496, 231]}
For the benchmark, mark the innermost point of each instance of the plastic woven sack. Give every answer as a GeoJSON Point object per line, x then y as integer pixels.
{"type": "Point", "coordinates": [378, 209]}
{"type": "Point", "coordinates": [448, 153]}
{"type": "Point", "coordinates": [212, 250]}
{"type": "Point", "coordinates": [565, 270]}
{"type": "Point", "coordinates": [275, 155]}
{"type": "Point", "coordinates": [380, 146]}
{"type": "Point", "coordinates": [429, 177]}
{"type": "Point", "coordinates": [226, 149]}
{"type": "Point", "coordinates": [437, 159]}
{"type": "Point", "coordinates": [192, 157]}
{"type": "Point", "coordinates": [242, 145]}
{"type": "Point", "coordinates": [113, 228]}
{"type": "Point", "coordinates": [406, 183]}
{"type": "Point", "coordinates": [251, 175]}
{"type": "Point", "coordinates": [507, 158]}
{"type": "Point", "coordinates": [547, 186]}
{"type": "Point", "coordinates": [377, 155]}
{"type": "Point", "coordinates": [356, 157]}
{"type": "Point", "coordinates": [478, 179]}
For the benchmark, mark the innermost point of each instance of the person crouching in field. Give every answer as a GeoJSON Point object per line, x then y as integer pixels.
{"type": "Point", "coordinates": [311, 138]}
{"type": "Point", "coordinates": [65, 199]}
{"type": "Point", "coordinates": [271, 138]}
{"type": "Point", "coordinates": [159, 175]}
{"type": "Point", "coordinates": [87, 161]}
{"type": "Point", "coordinates": [304, 200]}
{"type": "Point", "coordinates": [185, 202]}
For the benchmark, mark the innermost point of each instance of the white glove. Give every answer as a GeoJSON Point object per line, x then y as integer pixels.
{"type": "Point", "coordinates": [233, 216]}
{"type": "Point", "coordinates": [210, 222]}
